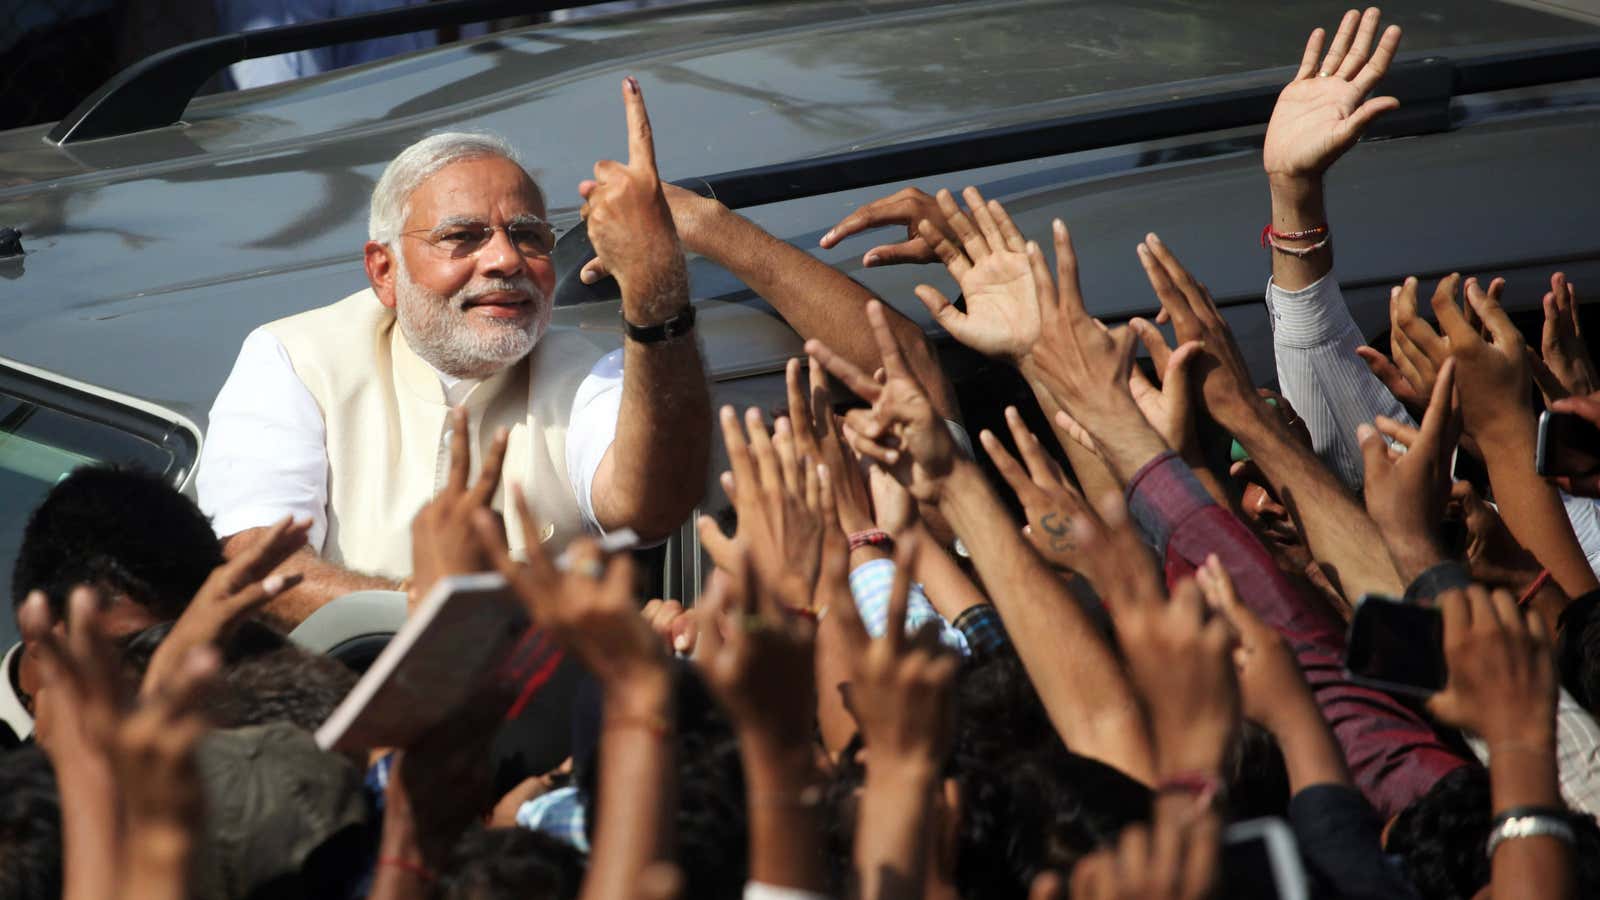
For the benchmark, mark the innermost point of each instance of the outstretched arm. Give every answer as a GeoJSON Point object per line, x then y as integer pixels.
{"type": "Point", "coordinates": [664, 427]}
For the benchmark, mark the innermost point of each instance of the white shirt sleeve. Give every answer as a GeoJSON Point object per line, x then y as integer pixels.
{"type": "Point", "coordinates": [1314, 341]}
{"type": "Point", "coordinates": [755, 890]}
{"type": "Point", "coordinates": [265, 453]}
{"type": "Point", "coordinates": [593, 428]}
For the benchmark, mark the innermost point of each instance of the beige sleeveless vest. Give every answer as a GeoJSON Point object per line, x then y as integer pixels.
{"type": "Point", "coordinates": [386, 419]}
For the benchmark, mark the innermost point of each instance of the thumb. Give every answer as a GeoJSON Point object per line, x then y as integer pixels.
{"type": "Point", "coordinates": [1358, 121]}
{"type": "Point", "coordinates": [1176, 378]}
{"type": "Point", "coordinates": [718, 546]}
{"type": "Point", "coordinates": [1374, 452]}
{"type": "Point", "coordinates": [940, 307]}
{"type": "Point", "coordinates": [593, 271]}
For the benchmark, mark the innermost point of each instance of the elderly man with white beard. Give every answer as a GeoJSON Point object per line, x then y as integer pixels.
{"type": "Point", "coordinates": [343, 415]}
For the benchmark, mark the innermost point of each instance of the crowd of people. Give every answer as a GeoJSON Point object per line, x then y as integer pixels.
{"type": "Point", "coordinates": [889, 687]}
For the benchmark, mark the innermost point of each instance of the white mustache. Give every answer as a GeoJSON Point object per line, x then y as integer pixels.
{"type": "Point", "coordinates": [521, 284]}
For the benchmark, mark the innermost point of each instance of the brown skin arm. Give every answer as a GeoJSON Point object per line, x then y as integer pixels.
{"type": "Point", "coordinates": [320, 581]}
{"type": "Point", "coordinates": [817, 300]}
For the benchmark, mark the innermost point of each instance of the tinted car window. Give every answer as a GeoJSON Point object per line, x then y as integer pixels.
{"type": "Point", "coordinates": [41, 443]}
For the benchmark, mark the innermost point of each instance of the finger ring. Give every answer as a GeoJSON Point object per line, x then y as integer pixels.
{"type": "Point", "coordinates": [591, 568]}
{"type": "Point", "coordinates": [1323, 74]}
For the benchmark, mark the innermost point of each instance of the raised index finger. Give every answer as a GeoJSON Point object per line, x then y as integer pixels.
{"type": "Point", "coordinates": [641, 141]}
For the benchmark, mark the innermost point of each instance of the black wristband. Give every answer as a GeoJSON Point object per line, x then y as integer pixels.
{"type": "Point", "coordinates": [677, 326]}
{"type": "Point", "coordinates": [1435, 580]}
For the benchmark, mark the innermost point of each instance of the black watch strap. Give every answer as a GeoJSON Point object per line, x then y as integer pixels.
{"type": "Point", "coordinates": [677, 326]}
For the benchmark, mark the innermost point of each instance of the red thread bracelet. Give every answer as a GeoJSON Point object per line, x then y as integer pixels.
{"type": "Point", "coordinates": [405, 865]}
{"type": "Point", "coordinates": [872, 537]}
{"type": "Point", "coordinates": [1268, 234]}
{"type": "Point", "coordinates": [1534, 587]}
{"type": "Point", "coordinates": [1202, 786]}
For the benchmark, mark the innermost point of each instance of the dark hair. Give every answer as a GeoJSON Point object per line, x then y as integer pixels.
{"type": "Point", "coordinates": [30, 827]}
{"type": "Point", "coordinates": [124, 530]}
{"type": "Point", "coordinates": [1027, 803]}
{"type": "Point", "coordinates": [291, 684]}
{"type": "Point", "coordinates": [510, 863]}
{"type": "Point", "coordinates": [1258, 779]}
{"type": "Point", "coordinates": [1442, 835]}
{"type": "Point", "coordinates": [1578, 650]}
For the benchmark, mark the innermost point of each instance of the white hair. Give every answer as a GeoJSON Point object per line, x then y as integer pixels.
{"type": "Point", "coordinates": [391, 198]}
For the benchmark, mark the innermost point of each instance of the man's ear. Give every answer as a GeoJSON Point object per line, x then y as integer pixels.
{"type": "Point", "coordinates": [383, 269]}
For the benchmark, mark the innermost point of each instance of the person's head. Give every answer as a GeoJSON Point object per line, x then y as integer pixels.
{"type": "Point", "coordinates": [1441, 837]}
{"type": "Point", "coordinates": [459, 248]}
{"type": "Point", "coordinates": [127, 532]}
{"type": "Point", "coordinates": [30, 826]}
{"type": "Point", "coordinates": [291, 684]}
{"type": "Point", "coordinates": [510, 864]}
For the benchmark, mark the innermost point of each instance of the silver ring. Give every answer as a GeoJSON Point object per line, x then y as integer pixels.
{"type": "Point", "coordinates": [1323, 74]}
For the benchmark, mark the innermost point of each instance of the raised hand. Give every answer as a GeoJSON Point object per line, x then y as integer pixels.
{"type": "Point", "coordinates": [1180, 660]}
{"type": "Point", "coordinates": [1502, 682]}
{"type": "Point", "coordinates": [693, 216]}
{"type": "Point", "coordinates": [588, 606]}
{"type": "Point", "coordinates": [818, 435]}
{"type": "Point", "coordinates": [988, 258]}
{"type": "Point", "coordinates": [1406, 495]}
{"type": "Point", "coordinates": [1269, 677]}
{"type": "Point", "coordinates": [1492, 371]}
{"type": "Point", "coordinates": [757, 656]}
{"type": "Point", "coordinates": [1083, 364]}
{"type": "Point", "coordinates": [1582, 484]}
{"type": "Point", "coordinates": [1058, 516]}
{"type": "Point", "coordinates": [777, 498]}
{"type": "Point", "coordinates": [1224, 378]}
{"type": "Point", "coordinates": [904, 208]}
{"type": "Point", "coordinates": [630, 223]}
{"type": "Point", "coordinates": [1322, 112]}
{"type": "Point", "coordinates": [130, 796]}
{"type": "Point", "coordinates": [1567, 368]}
{"type": "Point", "coordinates": [234, 590]}
{"type": "Point", "coordinates": [901, 431]}
{"type": "Point", "coordinates": [1167, 405]}
{"type": "Point", "coordinates": [443, 541]}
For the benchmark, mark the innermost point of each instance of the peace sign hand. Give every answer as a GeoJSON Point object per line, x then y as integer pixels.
{"type": "Point", "coordinates": [1321, 114]}
{"type": "Point", "coordinates": [630, 223]}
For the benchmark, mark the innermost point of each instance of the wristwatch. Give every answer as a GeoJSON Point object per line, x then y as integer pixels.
{"type": "Point", "coordinates": [677, 326]}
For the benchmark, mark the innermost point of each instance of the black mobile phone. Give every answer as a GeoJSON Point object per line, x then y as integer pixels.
{"type": "Point", "coordinates": [1466, 467]}
{"type": "Point", "coordinates": [1396, 646]}
{"type": "Point", "coordinates": [1568, 444]}
{"type": "Point", "coordinates": [1261, 861]}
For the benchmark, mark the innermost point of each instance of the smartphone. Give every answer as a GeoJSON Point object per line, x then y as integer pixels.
{"type": "Point", "coordinates": [1261, 861]}
{"type": "Point", "coordinates": [1568, 444]}
{"type": "Point", "coordinates": [1396, 646]}
{"type": "Point", "coordinates": [1466, 467]}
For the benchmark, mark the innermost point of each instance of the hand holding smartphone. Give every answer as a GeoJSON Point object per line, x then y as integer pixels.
{"type": "Point", "coordinates": [1396, 646]}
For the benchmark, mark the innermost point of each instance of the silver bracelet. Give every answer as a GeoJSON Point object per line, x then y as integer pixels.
{"type": "Point", "coordinates": [1537, 825]}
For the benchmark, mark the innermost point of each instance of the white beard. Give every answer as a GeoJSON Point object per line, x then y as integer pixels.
{"type": "Point", "coordinates": [442, 332]}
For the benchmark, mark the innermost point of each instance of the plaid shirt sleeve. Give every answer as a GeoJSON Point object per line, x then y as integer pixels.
{"type": "Point", "coordinates": [985, 633]}
{"type": "Point", "coordinates": [870, 584]}
{"type": "Point", "coordinates": [1577, 754]}
{"type": "Point", "coordinates": [559, 814]}
{"type": "Point", "coordinates": [1393, 754]}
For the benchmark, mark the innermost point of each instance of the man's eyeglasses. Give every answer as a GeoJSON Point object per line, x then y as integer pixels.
{"type": "Point", "coordinates": [532, 237]}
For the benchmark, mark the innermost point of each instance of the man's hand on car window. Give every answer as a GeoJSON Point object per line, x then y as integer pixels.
{"type": "Point", "coordinates": [988, 258]}
{"type": "Point", "coordinates": [630, 223]}
{"type": "Point", "coordinates": [904, 208]}
{"type": "Point", "coordinates": [1321, 113]}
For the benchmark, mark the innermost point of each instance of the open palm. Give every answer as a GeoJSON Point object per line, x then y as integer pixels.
{"type": "Point", "coordinates": [991, 266]}
{"type": "Point", "coordinates": [1321, 113]}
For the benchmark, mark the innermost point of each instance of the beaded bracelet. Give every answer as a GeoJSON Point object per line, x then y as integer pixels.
{"type": "Point", "coordinates": [872, 537]}
{"type": "Point", "coordinates": [1268, 233]}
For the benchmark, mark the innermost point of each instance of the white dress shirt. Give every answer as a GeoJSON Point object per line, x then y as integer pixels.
{"type": "Point", "coordinates": [265, 453]}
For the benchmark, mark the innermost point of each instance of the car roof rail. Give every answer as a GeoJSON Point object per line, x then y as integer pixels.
{"type": "Point", "coordinates": [1424, 86]}
{"type": "Point", "coordinates": [155, 91]}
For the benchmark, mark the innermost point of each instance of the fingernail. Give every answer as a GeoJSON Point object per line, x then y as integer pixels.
{"type": "Point", "coordinates": [871, 259]}
{"type": "Point", "coordinates": [272, 584]}
{"type": "Point", "coordinates": [587, 276]}
{"type": "Point", "coordinates": [681, 643]}
{"type": "Point", "coordinates": [631, 84]}
{"type": "Point", "coordinates": [827, 237]}
{"type": "Point", "coordinates": [1155, 238]}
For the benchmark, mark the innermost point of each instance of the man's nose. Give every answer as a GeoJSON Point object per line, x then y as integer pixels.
{"type": "Point", "coordinates": [500, 258]}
